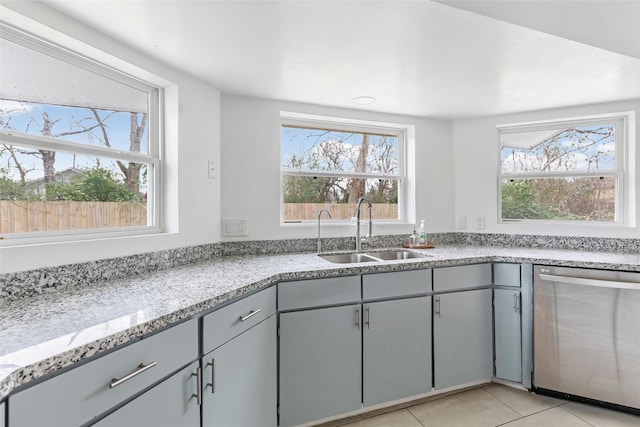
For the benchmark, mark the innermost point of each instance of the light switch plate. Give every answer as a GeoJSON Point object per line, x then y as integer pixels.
{"type": "Point", "coordinates": [235, 227]}
{"type": "Point", "coordinates": [213, 169]}
{"type": "Point", "coordinates": [461, 222]}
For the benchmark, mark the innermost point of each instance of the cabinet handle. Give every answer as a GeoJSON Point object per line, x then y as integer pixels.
{"type": "Point", "coordinates": [516, 302]}
{"type": "Point", "coordinates": [250, 315]}
{"type": "Point", "coordinates": [369, 317]}
{"type": "Point", "coordinates": [438, 307]}
{"type": "Point", "coordinates": [141, 368]}
{"type": "Point", "coordinates": [213, 375]}
{"type": "Point", "coordinates": [199, 391]}
{"type": "Point", "coordinates": [358, 317]}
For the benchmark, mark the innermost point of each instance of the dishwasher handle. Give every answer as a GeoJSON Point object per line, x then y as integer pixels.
{"type": "Point", "coordinates": [590, 282]}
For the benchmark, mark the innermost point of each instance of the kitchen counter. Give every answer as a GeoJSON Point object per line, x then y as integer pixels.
{"type": "Point", "coordinates": [51, 331]}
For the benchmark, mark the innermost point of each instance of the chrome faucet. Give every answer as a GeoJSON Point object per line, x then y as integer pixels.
{"type": "Point", "coordinates": [319, 214]}
{"type": "Point", "coordinates": [358, 239]}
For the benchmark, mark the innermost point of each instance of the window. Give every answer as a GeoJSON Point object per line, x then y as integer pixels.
{"type": "Point", "coordinates": [330, 164]}
{"type": "Point", "coordinates": [570, 171]}
{"type": "Point", "coordinates": [79, 149]}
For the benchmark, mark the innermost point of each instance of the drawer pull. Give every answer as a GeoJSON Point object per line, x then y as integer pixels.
{"type": "Point", "coordinates": [250, 315]}
{"type": "Point", "coordinates": [198, 394]}
{"type": "Point", "coordinates": [368, 317]}
{"type": "Point", "coordinates": [213, 375]}
{"type": "Point", "coordinates": [141, 368]}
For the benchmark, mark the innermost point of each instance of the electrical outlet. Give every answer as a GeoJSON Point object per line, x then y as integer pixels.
{"type": "Point", "coordinates": [461, 222]}
{"type": "Point", "coordinates": [480, 223]}
{"type": "Point", "coordinates": [213, 169]}
{"type": "Point", "coordinates": [235, 227]}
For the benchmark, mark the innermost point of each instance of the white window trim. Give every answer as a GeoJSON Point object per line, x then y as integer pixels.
{"type": "Point", "coordinates": [155, 112]}
{"type": "Point", "coordinates": [623, 120]}
{"type": "Point", "coordinates": [355, 125]}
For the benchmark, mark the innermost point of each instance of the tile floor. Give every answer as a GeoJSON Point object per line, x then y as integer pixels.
{"type": "Point", "coordinates": [494, 405]}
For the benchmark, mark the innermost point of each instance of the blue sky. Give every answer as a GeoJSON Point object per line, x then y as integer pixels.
{"type": "Point", "coordinates": [28, 118]}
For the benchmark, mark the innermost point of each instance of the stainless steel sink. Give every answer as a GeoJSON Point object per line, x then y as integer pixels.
{"type": "Point", "coordinates": [397, 255]}
{"type": "Point", "coordinates": [373, 256]}
{"type": "Point", "coordinates": [348, 258]}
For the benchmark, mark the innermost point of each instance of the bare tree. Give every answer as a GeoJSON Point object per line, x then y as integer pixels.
{"type": "Point", "coordinates": [358, 186]}
{"type": "Point", "coordinates": [131, 171]}
{"type": "Point", "coordinates": [343, 152]}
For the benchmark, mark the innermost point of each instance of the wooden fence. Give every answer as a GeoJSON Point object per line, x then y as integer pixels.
{"type": "Point", "coordinates": [309, 211]}
{"type": "Point", "coordinates": [23, 216]}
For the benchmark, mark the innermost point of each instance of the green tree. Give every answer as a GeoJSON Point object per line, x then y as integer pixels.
{"type": "Point", "coordinates": [10, 189]}
{"type": "Point", "coordinates": [520, 201]}
{"type": "Point", "coordinates": [92, 185]}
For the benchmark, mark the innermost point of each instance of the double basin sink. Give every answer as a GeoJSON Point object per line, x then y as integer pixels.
{"type": "Point", "coordinates": [353, 258]}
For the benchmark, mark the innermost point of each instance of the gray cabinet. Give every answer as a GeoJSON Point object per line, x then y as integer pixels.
{"type": "Point", "coordinates": [396, 349]}
{"type": "Point", "coordinates": [507, 321]}
{"type": "Point", "coordinates": [239, 380]}
{"type": "Point", "coordinates": [239, 369]}
{"type": "Point", "coordinates": [172, 403]}
{"type": "Point", "coordinates": [461, 277]}
{"type": "Point", "coordinates": [320, 363]}
{"type": "Point", "coordinates": [338, 353]}
{"type": "Point", "coordinates": [2, 414]}
{"type": "Point", "coordinates": [507, 334]}
{"type": "Point", "coordinates": [462, 325]}
{"type": "Point", "coordinates": [462, 332]}
{"type": "Point", "coordinates": [81, 394]}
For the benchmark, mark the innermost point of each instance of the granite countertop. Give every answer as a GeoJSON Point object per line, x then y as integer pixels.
{"type": "Point", "coordinates": [42, 334]}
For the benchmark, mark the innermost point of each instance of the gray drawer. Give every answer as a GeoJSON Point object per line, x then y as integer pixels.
{"type": "Point", "coordinates": [224, 324]}
{"type": "Point", "coordinates": [462, 276]}
{"type": "Point", "coordinates": [505, 274]}
{"type": "Point", "coordinates": [78, 395]}
{"type": "Point", "coordinates": [396, 284]}
{"type": "Point", "coordinates": [318, 292]}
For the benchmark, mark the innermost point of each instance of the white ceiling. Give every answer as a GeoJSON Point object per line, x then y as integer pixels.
{"type": "Point", "coordinates": [417, 57]}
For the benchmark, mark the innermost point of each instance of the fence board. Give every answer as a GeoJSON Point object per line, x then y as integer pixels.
{"type": "Point", "coordinates": [309, 211]}
{"type": "Point", "coordinates": [28, 216]}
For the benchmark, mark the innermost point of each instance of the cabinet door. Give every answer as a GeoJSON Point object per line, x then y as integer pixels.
{"type": "Point", "coordinates": [2, 414]}
{"type": "Point", "coordinates": [463, 345]}
{"type": "Point", "coordinates": [320, 363]}
{"type": "Point", "coordinates": [396, 349]}
{"type": "Point", "coordinates": [239, 380]}
{"type": "Point", "coordinates": [508, 334]}
{"type": "Point", "coordinates": [172, 403]}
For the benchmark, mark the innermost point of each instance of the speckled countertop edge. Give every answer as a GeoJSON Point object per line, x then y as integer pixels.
{"type": "Point", "coordinates": [51, 331]}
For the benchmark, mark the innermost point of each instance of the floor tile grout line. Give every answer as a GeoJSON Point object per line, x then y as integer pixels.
{"type": "Point", "coordinates": [505, 404]}
{"type": "Point", "coordinates": [413, 415]}
{"type": "Point", "coordinates": [576, 415]}
{"type": "Point", "coordinates": [562, 403]}
{"type": "Point", "coordinates": [527, 416]}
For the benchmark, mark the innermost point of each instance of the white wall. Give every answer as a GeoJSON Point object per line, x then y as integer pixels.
{"type": "Point", "coordinates": [191, 200]}
{"type": "Point", "coordinates": [250, 168]}
{"type": "Point", "coordinates": [475, 148]}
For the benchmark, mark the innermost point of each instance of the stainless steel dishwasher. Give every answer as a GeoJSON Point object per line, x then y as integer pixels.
{"type": "Point", "coordinates": [587, 335]}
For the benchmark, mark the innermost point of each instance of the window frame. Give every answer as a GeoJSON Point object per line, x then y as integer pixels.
{"type": "Point", "coordinates": [154, 158]}
{"type": "Point", "coordinates": [620, 173]}
{"type": "Point", "coordinates": [348, 125]}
